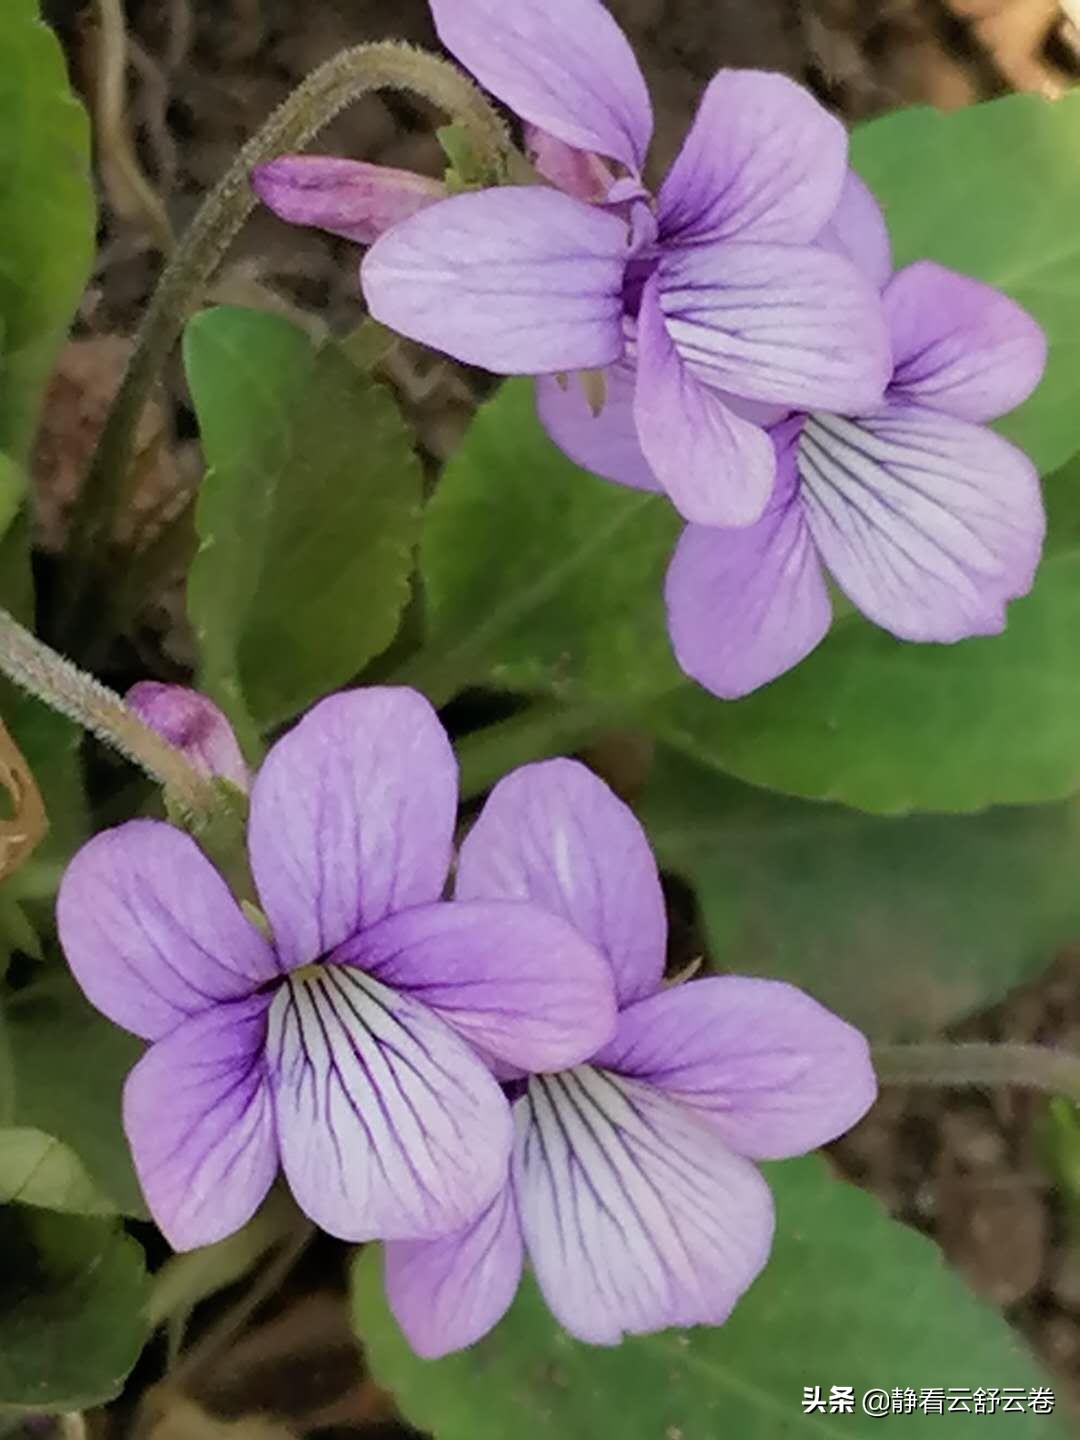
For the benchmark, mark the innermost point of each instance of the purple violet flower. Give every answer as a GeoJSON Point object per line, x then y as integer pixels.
{"type": "Point", "coordinates": [631, 1187]}
{"type": "Point", "coordinates": [343, 1047]}
{"type": "Point", "coordinates": [194, 724]}
{"type": "Point", "coordinates": [926, 519]}
{"type": "Point", "coordinates": [713, 289]}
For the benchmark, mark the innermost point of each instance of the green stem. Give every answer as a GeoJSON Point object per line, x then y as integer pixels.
{"type": "Point", "coordinates": [983, 1063]}
{"type": "Point", "coordinates": [57, 682]}
{"type": "Point", "coordinates": [543, 730]}
{"type": "Point", "coordinates": [322, 96]}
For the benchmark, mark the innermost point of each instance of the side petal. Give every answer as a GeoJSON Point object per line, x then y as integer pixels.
{"type": "Point", "coordinates": [194, 724]}
{"type": "Point", "coordinates": [763, 161]}
{"type": "Point", "coordinates": [774, 1072]}
{"type": "Point", "coordinates": [744, 606]}
{"type": "Point", "coordinates": [390, 1127]}
{"type": "Point", "coordinates": [350, 198]}
{"type": "Point", "coordinates": [636, 1215]}
{"type": "Point", "coordinates": [447, 1294]}
{"type": "Point", "coordinates": [857, 231]}
{"type": "Point", "coordinates": [929, 524]}
{"type": "Point", "coordinates": [605, 442]}
{"type": "Point", "coordinates": [716, 467]}
{"type": "Point", "coordinates": [152, 933]}
{"type": "Point", "coordinates": [555, 834]}
{"type": "Point", "coordinates": [198, 1118]}
{"type": "Point", "coordinates": [564, 65]}
{"type": "Point", "coordinates": [960, 346]}
{"type": "Point", "coordinates": [519, 983]}
{"type": "Point", "coordinates": [786, 324]}
{"type": "Point", "coordinates": [352, 818]}
{"type": "Point", "coordinates": [520, 280]}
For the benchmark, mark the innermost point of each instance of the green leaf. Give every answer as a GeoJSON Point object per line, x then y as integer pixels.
{"type": "Point", "coordinates": [72, 1292]}
{"type": "Point", "coordinates": [991, 190]}
{"type": "Point", "coordinates": [307, 517]}
{"type": "Point", "coordinates": [46, 215]}
{"type": "Point", "coordinates": [538, 574]}
{"type": "Point", "coordinates": [849, 1298]}
{"type": "Point", "coordinates": [70, 1063]}
{"type": "Point", "coordinates": [902, 925]}
{"type": "Point", "coordinates": [37, 1169]}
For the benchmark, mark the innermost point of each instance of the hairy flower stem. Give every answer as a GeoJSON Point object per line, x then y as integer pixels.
{"type": "Point", "coordinates": [54, 680]}
{"type": "Point", "coordinates": [1034, 1067]}
{"type": "Point", "coordinates": [323, 95]}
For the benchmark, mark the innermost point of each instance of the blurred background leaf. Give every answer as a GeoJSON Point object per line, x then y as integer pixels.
{"type": "Point", "coordinates": [849, 1297]}
{"type": "Point", "coordinates": [308, 515]}
{"type": "Point", "coordinates": [901, 924]}
{"type": "Point", "coordinates": [72, 1294]}
{"type": "Point", "coordinates": [37, 1169]}
{"type": "Point", "coordinates": [47, 215]}
{"type": "Point", "coordinates": [991, 190]}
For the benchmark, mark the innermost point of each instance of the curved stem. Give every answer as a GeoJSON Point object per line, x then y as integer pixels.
{"type": "Point", "coordinates": [322, 96]}
{"type": "Point", "coordinates": [92, 705]}
{"type": "Point", "coordinates": [1035, 1067]}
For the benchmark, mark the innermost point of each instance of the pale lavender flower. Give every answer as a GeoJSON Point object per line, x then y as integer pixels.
{"type": "Point", "coordinates": [343, 1047]}
{"type": "Point", "coordinates": [194, 724]}
{"type": "Point", "coordinates": [929, 521]}
{"type": "Point", "coordinates": [631, 1190]}
{"type": "Point", "coordinates": [713, 286]}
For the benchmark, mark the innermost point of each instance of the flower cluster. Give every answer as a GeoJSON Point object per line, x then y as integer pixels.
{"type": "Point", "coordinates": [743, 343]}
{"type": "Point", "coordinates": [471, 1079]}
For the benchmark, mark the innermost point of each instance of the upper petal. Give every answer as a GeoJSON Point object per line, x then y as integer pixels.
{"type": "Point", "coordinates": [745, 605]}
{"type": "Point", "coordinates": [564, 65]}
{"type": "Point", "coordinates": [605, 442]}
{"type": "Point", "coordinates": [635, 1213]}
{"type": "Point", "coordinates": [194, 724]}
{"type": "Point", "coordinates": [521, 280]}
{"type": "Point", "coordinates": [781, 323]}
{"type": "Point", "coordinates": [929, 524]}
{"type": "Point", "coordinates": [389, 1126]}
{"type": "Point", "coordinates": [197, 1115]}
{"type": "Point", "coordinates": [447, 1294]}
{"type": "Point", "coordinates": [352, 818]}
{"type": "Point", "coordinates": [716, 467]}
{"type": "Point", "coordinates": [960, 346]}
{"type": "Point", "coordinates": [763, 161]}
{"type": "Point", "coordinates": [857, 231]}
{"type": "Point", "coordinates": [555, 834]}
{"type": "Point", "coordinates": [518, 982]}
{"type": "Point", "coordinates": [152, 933]}
{"type": "Point", "coordinates": [350, 198]}
{"type": "Point", "coordinates": [774, 1072]}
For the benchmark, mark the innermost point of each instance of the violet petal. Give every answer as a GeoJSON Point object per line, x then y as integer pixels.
{"type": "Point", "coordinates": [352, 818]}
{"type": "Point", "coordinates": [716, 467]}
{"type": "Point", "coordinates": [554, 834]}
{"type": "Point", "coordinates": [960, 346]}
{"type": "Point", "coordinates": [763, 161]}
{"type": "Point", "coordinates": [563, 65]}
{"type": "Point", "coordinates": [521, 280]}
{"type": "Point", "coordinates": [606, 443]}
{"type": "Point", "coordinates": [447, 1294]}
{"type": "Point", "coordinates": [520, 984]}
{"type": "Point", "coordinates": [389, 1126]}
{"type": "Point", "coordinates": [636, 1215]}
{"type": "Point", "coordinates": [197, 1115]}
{"type": "Point", "coordinates": [857, 231]}
{"type": "Point", "coordinates": [929, 524]}
{"type": "Point", "coordinates": [771, 1070]}
{"type": "Point", "coordinates": [152, 933]}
